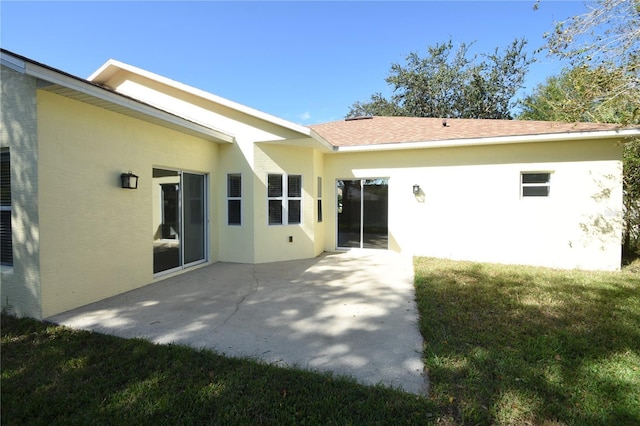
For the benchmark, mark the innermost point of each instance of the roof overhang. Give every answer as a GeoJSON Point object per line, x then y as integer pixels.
{"type": "Point", "coordinates": [107, 71]}
{"type": "Point", "coordinates": [313, 140]}
{"type": "Point", "coordinates": [58, 82]}
{"type": "Point", "coordinates": [501, 140]}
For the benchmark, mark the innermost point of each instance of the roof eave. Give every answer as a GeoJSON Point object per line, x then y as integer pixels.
{"type": "Point", "coordinates": [500, 140]}
{"type": "Point", "coordinates": [56, 77]}
{"type": "Point", "coordinates": [112, 66]}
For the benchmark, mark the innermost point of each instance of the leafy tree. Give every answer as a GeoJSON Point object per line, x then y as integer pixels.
{"type": "Point", "coordinates": [582, 94]}
{"type": "Point", "coordinates": [448, 83]}
{"type": "Point", "coordinates": [603, 47]}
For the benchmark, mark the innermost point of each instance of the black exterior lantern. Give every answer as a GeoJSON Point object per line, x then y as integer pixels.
{"type": "Point", "coordinates": [416, 189]}
{"type": "Point", "coordinates": [129, 180]}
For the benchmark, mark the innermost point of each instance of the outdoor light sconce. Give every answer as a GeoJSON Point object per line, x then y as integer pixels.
{"type": "Point", "coordinates": [416, 189]}
{"type": "Point", "coordinates": [129, 180]}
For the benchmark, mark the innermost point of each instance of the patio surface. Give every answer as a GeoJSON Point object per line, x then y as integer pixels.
{"type": "Point", "coordinates": [350, 313]}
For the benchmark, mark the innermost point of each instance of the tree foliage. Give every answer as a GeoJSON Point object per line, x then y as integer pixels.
{"type": "Point", "coordinates": [451, 83]}
{"type": "Point", "coordinates": [582, 94]}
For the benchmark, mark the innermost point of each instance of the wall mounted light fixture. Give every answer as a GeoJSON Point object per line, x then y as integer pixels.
{"type": "Point", "coordinates": [416, 189]}
{"type": "Point", "coordinates": [129, 180]}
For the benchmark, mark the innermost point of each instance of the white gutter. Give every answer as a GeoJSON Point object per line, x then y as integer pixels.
{"type": "Point", "coordinates": [499, 140]}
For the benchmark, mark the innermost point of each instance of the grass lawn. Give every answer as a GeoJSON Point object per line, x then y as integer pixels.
{"type": "Point", "coordinates": [522, 345]}
{"type": "Point", "coordinates": [503, 345]}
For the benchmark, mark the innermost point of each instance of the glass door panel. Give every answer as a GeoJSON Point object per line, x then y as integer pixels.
{"type": "Point", "coordinates": [194, 217]}
{"type": "Point", "coordinates": [166, 219]}
{"type": "Point", "coordinates": [375, 232]}
{"type": "Point", "coordinates": [362, 213]}
{"type": "Point", "coordinates": [179, 219]}
{"type": "Point", "coordinates": [349, 213]}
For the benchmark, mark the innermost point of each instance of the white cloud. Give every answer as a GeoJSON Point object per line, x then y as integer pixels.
{"type": "Point", "coordinates": [304, 116]}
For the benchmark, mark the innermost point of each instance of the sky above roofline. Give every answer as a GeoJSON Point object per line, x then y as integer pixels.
{"type": "Point", "coordinates": [306, 62]}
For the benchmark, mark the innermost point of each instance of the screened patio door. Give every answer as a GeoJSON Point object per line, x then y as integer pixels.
{"type": "Point", "coordinates": [363, 206]}
{"type": "Point", "coordinates": [179, 212]}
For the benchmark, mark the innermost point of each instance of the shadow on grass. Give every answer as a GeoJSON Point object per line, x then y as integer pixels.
{"type": "Point", "coordinates": [54, 375]}
{"type": "Point", "coordinates": [519, 345]}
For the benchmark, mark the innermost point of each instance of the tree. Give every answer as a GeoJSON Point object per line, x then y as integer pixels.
{"type": "Point", "coordinates": [448, 83]}
{"type": "Point", "coordinates": [603, 84]}
{"type": "Point", "coordinates": [582, 94]}
{"type": "Point", "coordinates": [606, 37]}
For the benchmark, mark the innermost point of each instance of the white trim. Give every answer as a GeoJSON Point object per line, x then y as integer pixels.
{"type": "Point", "coordinates": [546, 184]}
{"type": "Point", "coordinates": [284, 199]}
{"type": "Point", "coordinates": [12, 62]}
{"type": "Point", "coordinates": [79, 85]}
{"type": "Point", "coordinates": [498, 140]}
{"type": "Point", "coordinates": [111, 67]}
{"type": "Point", "coordinates": [230, 198]}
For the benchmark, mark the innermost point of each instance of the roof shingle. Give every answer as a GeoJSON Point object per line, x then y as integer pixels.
{"type": "Point", "coordinates": [389, 130]}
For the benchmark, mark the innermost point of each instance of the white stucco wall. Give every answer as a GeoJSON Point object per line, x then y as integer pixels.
{"type": "Point", "coordinates": [21, 285]}
{"type": "Point", "coordinates": [471, 206]}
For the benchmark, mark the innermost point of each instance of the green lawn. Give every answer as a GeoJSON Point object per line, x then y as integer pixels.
{"type": "Point", "coordinates": [503, 345]}
{"type": "Point", "coordinates": [521, 345]}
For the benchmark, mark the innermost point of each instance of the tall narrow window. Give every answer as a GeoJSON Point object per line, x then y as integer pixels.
{"type": "Point", "coordinates": [294, 201]}
{"type": "Point", "coordinates": [284, 201]}
{"type": "Point", "coordinates": [6, 245]}
{"type": "Point", "coordinates": [535, 184]}
{"type": "Point", "coordinates": [234, 199]}
{"type": "Point", "coordinates": [274, 195]}
{"type": "Point", "coordinates": [319, 199]}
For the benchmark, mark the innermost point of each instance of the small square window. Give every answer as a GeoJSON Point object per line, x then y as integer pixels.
{"type": "Point", "coordinates": [284, 199]}
{"type": "Point", "coordinates": [535, 184]}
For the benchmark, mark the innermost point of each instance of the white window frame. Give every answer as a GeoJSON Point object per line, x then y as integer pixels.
{"type": "Point", "coordinates": [8, 267]}
{"type": "Point", "coordinates": [284, 199]}
{"type": "Point", "coordinates": [319, 192]}
{"type": "Point", "coordinates": [234, 198]}
{"type": "Point", "coordinates": [546, 184]}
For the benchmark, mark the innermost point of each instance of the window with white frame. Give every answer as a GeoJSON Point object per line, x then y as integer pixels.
{"type": "Point", "coordinates": [234, 199]}
{"type": "Point", "coordinates": [535, 184]}
{"type": "Point", "coordinates": [319, 199]}
{"type": "Point", "coordinates": [284, 198]}
{"type": "Point", "coordinates": [6, 245]}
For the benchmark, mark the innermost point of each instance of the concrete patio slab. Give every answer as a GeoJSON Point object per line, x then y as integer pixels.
{"type": "Point", "coordinates": [350, 313]}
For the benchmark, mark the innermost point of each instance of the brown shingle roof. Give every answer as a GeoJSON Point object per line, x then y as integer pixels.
{"type": "Point", "coordinates": [389, 130]}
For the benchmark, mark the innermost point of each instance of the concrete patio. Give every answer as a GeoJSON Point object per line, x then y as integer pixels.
{"type": "Point", "coordinates": [350, 313]}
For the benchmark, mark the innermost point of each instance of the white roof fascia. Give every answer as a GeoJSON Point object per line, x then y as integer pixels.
{"type": "Point", "coordinates": [305, 142]}
{"type": "Point", "coordinates": [500, 140]}
{"type": "Point", "coordinates": [104, 73]}
{"type": "Point", "coordinates": [12, 62]}
{"type": "Point", "coordinates": [87, 88]}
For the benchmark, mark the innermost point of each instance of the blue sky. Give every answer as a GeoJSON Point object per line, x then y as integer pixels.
{"type": "Point", "coordinates": [306, 62]}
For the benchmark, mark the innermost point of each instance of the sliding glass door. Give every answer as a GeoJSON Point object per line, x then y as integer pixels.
{"type": "Point", "coordinates": [363, 213]}
{"type": "Point", "coordinates": [179, 217]}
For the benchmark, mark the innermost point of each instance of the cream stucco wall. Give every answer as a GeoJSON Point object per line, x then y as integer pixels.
{"type": "Point", "coordinates": [470, 207]}
{"type": "Point", "coordinates": [20, 287]}
{"type": "Point", "coordinates": [236, 241]}
{"type": "Point", "coordinates": [97, 238]}
{"type": "Point", "coordinates": [272, 241]}
{"type": "Point", "coordinates": [251, 241]}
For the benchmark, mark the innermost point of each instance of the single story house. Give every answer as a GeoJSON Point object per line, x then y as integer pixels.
{"type": "Point", "coordinates": [218, 181]}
